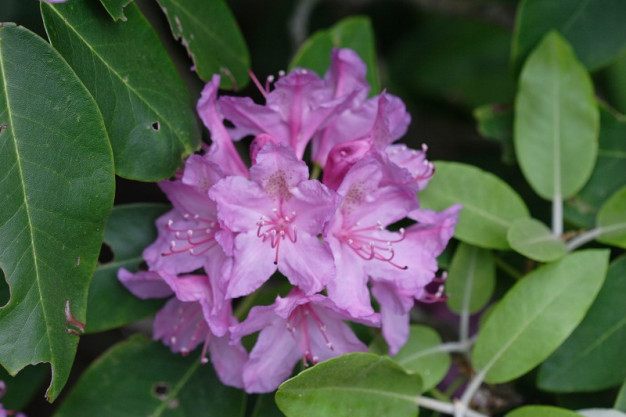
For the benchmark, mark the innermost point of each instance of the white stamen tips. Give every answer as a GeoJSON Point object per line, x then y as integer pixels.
{"type": "Point", "coordinates": [401, 231]}
{"type": "Point", "coordinates": [173, 340]}
{"type": "Point", "coordinates": [172, 244]}
{"type": "Point", "coordinates": [286, 218]}
{"type": "Point", "coordinates": [196, 216]}
{"type": "Point", "coordinates": [275, 210]}
{"type": "Point", "coordinates": [403, 148]}
{"type": "Point", "coordinates": [186, 216]}
{"type": "Point", "coordinates": [270, 78]}
{"type": "Point", "coordinates": [204, 361]}
{"type": "Point", "coordinates": [191, 251]}
{"type": "Point", "coordinates": [170, 222]}
{"type": "Point", "coordinates": [315, 359]}
{"type": "Point", "coordinates": [358, 223]}
{"type": "Point", "coordinates": [281, 73]}
{"type": "Point", "coordinates": [305, 71]}
{"type": "Point", "coordinates": [189, 232]}
{"type": "Point", "coordinates": [330, 346]}
{"type": "Point", "coordinates": [293, 213]}
{"type": "Point", "coordinates": [323, 327]}
{"type": "Point", "coordinates": [350, 241]}
{"type": "Point", "coordinates": [424, 147]}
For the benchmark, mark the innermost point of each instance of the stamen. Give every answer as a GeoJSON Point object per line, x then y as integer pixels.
{"type": "Point", "coordinates": [257, 83]}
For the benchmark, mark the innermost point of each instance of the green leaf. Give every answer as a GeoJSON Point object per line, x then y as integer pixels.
{"type": "Point", "coordinates": [265, 406]}
{"type": "Point", "coordinates": [128, 232]}
{"type": "Point", "coordinates": [600, 412]}
{"type": "Point", "coordinates": [116, 8]}
{"type": "Point", "coordinates": [534, 240]}
{"type": "Point", "coordinates": [620, 401]}
{"type": "Point", "coordinates": [556, 121]}
{"type": "Point", "coordinates": [612, 220]}
{"type": "Point", "coordinates": [213, 40]}
{"type": "Point", "coordinates": [580, 364]}
{"type": "Point", "coordinates": [354, 32]}
{"type": "Point", "coordinates": [360, 384]}
{"type": "Point", "coordinates": [495, 121]}
{"type": "Point", "coordinates": [541, 411]}
{"type": "Point", "coordinates": [421, 355]}
{"type": "Point", "coordinates": [490, 206]}
{"type": "Point", "coordinates": [57, 184]}
{"type": "Point", "coordinates": [595, 29]}
{"type": "Point", "coordinates": [22, 388]}
{"type": "Point", "coordinates": [538, 314]}
{"type": "Point", "coordinates": [471, 279]}
{"type": "Point", "coordinates": [162, 384]}
{"type": "Point", "coordinates": [608, 173]}
{"type": "Point", "coordinates": [146, 107]}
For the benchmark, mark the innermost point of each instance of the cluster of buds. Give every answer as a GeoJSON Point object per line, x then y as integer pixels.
{"type": "Point", "coordinates": [334, 239]}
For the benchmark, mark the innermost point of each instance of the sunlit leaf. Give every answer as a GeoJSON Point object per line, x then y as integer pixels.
{"type": "Point", "coordinates": [534, 240]}
{"type": "Point", "coordinates": [355, 33]}
{"type": "Point", "coordinates": [490, 206]}
{"type": "Point", "coordinates": [147, 110]}
{"type": "Point", "coordinates": [355, 384]}
{"type": "Point", "coordinates": [142, 378]}
{"type": "Point", "coordinates": [213, 40]}
{"type": "Point", "coordinates": [471, 279]}
{"type": "Point", "coordinates": [612, 220]}
{"type": "Point", "coordinates": [56, 188]}
{"type": "Point", "coordinates": [538, 314]}
{"type": "Point", "coordinates": [556, 121]}
{"type": "Point", "coordinates": [129, 230]}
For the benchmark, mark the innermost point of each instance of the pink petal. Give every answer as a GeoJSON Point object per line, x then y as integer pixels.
{"type": "Point", "coordinates": [308, 263]}
{"type": "Point", "coordinates": [346, 74]}
{"type": "Point", "coordinates": [240, 203]}
{"type": "Point", "coordinates": [335, 339]}
{"type": "Point", "coordinates": [277, 170]}
{"type": "Point", "coordinates": [144, 284]}
{"type": "Point", "coordinates": [253, 265]}
{"type": "Point", "coordinates": [394, 309]}
{"type": "Point", "coordinates": [180, 326]}
{"type": "Point", "coordinates": [228, 360]}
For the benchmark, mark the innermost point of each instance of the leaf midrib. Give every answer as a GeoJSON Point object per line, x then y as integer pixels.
{"type": "Point", "coordinates": [413, 400]}
{"type": "Point", "coordinates": [12, 127]}
{"type": "Point", "coordinates": [121, 79]}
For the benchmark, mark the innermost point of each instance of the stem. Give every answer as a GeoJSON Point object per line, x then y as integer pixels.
{"type": "Point", "coordinates": [586, 237]}
{"type": "Point", "coordinates": [508, 268]}
{"type": "Point", "coordinates": [462, 407]}
{"type": "Point", "coordinates": [444, 407]}
{"type": "Point", "coordinates": [557, 216]}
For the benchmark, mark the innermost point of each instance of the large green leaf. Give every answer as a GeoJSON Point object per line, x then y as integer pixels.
{"type": "Point", "coordinates": [541, 411]}
{"type": "Point", "coordinates": [594, 28]}
{"type": "Point", "coordinates": [357, 384]}
{"type": "Point", "coordinates": [354, 32]}
{"type": "Point", "coordinates": [129, 230]}
{"type": "Point", "coordinates": [116, 8]}
{"type": "Point", "coordinates": [147, 110]}
{"type": "Point", "coordinates": [213, 40]}
{"type": "Point", "coordinates": [56, 188]}
{"type": "Point", "coordinates": [580, 364]}
{"type": "Point", "coordinates": [612, 219]}
{"type": "Point", "coordinates": [556, 121]}
{"type": "Point", "coordinates": [471, 279]}
{"type": "Point", "coordinates": [534, 240]}
{"type": "Point", "coordinates": [620, 401]}
{"type": "Point", "coordinates": [490, 206]}
{"type": "Point", "coordinates": [142, 378]}
{"type": "Point", "coordinates": [421, 355]}
{"type": "Point", "coordinates": [538, 314]}
{"type": "Point", "coordinates": [608, 173]}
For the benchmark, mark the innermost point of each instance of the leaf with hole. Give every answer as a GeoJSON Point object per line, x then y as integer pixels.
{"type": "Point", "coordinates": [541, 411]}
{"type": "Point", "coordinates": [471, 279]}
{"type": "Point", "coordinates": [595, 29]}
{"type": "Point", "coordinates": [490, 205]}
{"type": "Point", "coordinates": [355, 33]}
{"type": "Point", "coordinates": [116, 8]}
{"type": "Point", "coordinates": [129, 230]}
{"type": "Point", "coordinates": [538, 314]}
{"type": "Point", "coordinates": [354, 384]}
{"type": "Point", "coordinates": [213, 40]}
{"type": "Point", "coordinates": [534, 240]}
{"type": "Point", "coordinates": [162, 384]}
{"type": "Point", "coordinates": [556, 121]}
{"type": "Point", "coordinates": [56, 188]}
{"type": "Point", "coordinates": [421, 355]}
{"type": "Point", "coordinates": [612, 220]}
{"type": "Point", "coordinates": [580, 364]}
{"type": "Point", "coordinates": [147, 110]}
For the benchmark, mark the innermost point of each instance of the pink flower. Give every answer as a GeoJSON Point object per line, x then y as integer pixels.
{"type": "Point", "coordinates": [276, 218]}
{"type": "Point", "coordinates": [309, 328]}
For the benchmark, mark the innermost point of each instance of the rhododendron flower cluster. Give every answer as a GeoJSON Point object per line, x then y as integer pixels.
{"type": "Point", "coordinates": [232, 227]}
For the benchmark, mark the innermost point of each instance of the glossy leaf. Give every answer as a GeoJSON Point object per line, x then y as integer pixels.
{"type": "Point", "coordinates": [490, 206]}
{"type": "Point", "coordinates": [162, 384]}
{"type": "Point", "coordinates": [538, 314]}
{"type": "Point", "coordinates": [556, 121]}
{"type": "Point", "coordinates": [600, 412]}
{"type": "Point", "coordinates": [116, 8]}
{"type": "Point", "coordinates": [147, 110]}
{"type": "Point", "coordinates": [213, 40]}
{"type": "Point", "coordinates": [421, 355]}
{"type": "Point", "coordinates": [495, 121]}
{"type": "Point", "coordinates": [56, 188]}
{"type": "Point", "coordinates": [355, 384]}
{"type": "Point", "coordinates": [580, 364]}
{"type": "Point", "coordinates": [595, 29]}
{"type": "Point", "coordinates": [128, 232]}
{"type": "Point", "coordinates": [471, 279]}
{"type": "Point", "coordinates": [541, 411]}
{"type": "Point", "coordinates": [534, 240]}
{"type": "Point", "coordinates": [355, 33]}
{"type": "Point", "coordinates": [608, 173]}
{"type": "Point", "coordinates": [612, 220]}
{"type": "Point", "coordinates": [620, 401]}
